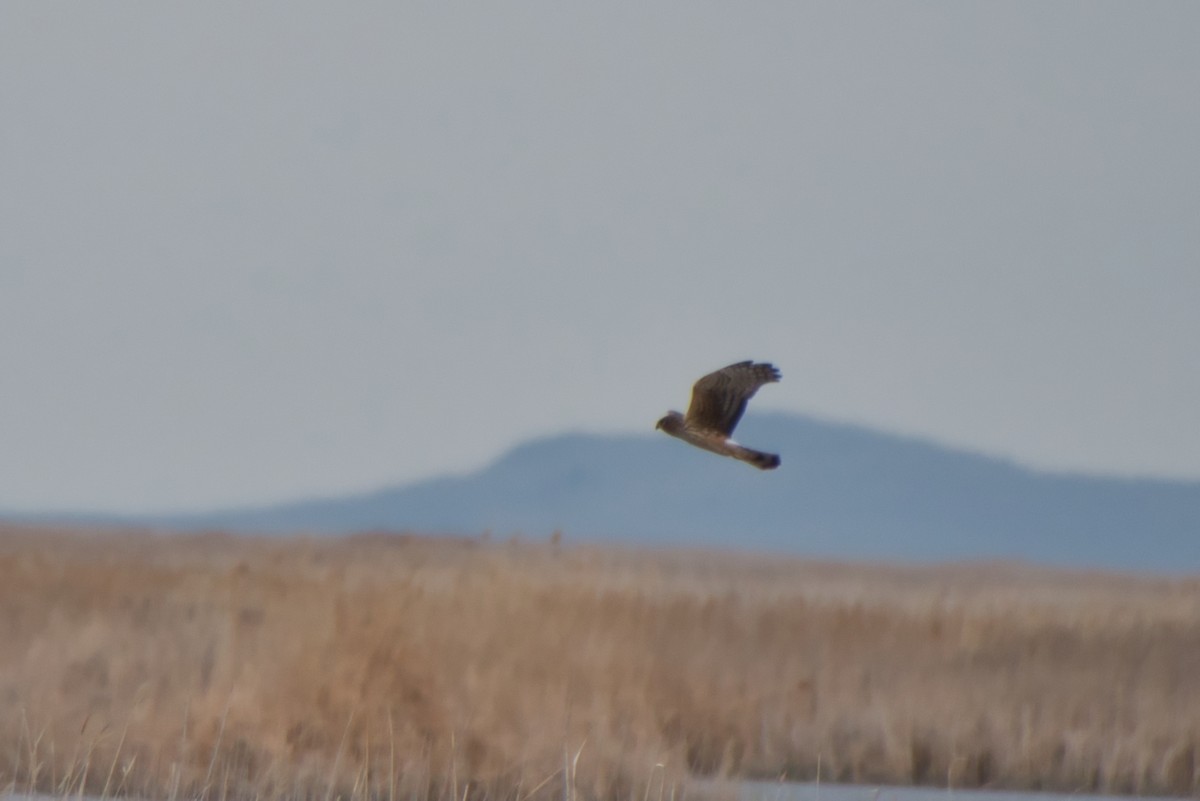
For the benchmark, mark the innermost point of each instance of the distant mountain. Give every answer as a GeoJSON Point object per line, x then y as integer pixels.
{"type": "Point", "coordinates": [843, 491]}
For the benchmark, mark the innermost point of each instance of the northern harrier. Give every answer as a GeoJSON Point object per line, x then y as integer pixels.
{"type": "Point", "coordinates": [718, 401]}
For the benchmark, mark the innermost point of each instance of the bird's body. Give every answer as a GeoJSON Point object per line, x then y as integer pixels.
{"type": "Point", "coordinates": [718, 401]}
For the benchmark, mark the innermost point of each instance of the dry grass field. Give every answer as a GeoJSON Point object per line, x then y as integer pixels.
{"type": "Point", "coordinates": [401, 667]}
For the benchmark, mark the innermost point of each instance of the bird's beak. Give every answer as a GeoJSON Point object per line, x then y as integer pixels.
{"type": "Point", "coordinates": [658, 425]}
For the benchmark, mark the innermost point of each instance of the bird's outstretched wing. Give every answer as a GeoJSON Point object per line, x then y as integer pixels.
{"type": "Point", "coordinates": [719, 398]}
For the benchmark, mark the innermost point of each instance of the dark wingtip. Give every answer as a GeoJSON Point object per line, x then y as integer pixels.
{"type": "Point", "coordinates": [769, 462]}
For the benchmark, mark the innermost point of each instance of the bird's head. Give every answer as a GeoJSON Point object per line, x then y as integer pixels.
{"type": "Point", "coordinates": [672, 423]}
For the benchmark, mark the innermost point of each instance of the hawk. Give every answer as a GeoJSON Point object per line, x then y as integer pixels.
{"type": "Point", "coordinates": [718, 400]}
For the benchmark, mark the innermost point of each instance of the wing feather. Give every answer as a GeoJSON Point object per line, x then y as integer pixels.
{"type": "Point", "coordinates": [719, 399]}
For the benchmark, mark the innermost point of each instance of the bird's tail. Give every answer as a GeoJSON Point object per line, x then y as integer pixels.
{"type": "Point", "coordinates": [763, 461]}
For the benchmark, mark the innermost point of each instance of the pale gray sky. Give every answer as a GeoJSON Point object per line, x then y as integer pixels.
{"type": "Point", "coordinates": [251, 252]}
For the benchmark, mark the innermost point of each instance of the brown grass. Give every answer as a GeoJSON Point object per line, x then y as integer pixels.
{"type": "Point", "coordinates": [399, 667]}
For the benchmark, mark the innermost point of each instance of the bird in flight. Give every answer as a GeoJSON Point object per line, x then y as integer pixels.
{"type": "Point", "coordinates": [718, 401]}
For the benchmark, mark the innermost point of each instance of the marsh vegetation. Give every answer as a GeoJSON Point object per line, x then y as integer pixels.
{"type": "Point", "coordinates": [405, 667]}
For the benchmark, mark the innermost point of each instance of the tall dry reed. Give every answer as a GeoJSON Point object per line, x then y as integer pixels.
{"type": "Point", "coordinates": [402, 667]}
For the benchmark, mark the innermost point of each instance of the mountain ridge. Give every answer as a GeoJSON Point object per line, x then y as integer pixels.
{"type": "Point", "coordinates": [843, 491]}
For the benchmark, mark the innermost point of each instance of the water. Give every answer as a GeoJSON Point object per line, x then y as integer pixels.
{"type": "Point", "coordinates": [776, 791]}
